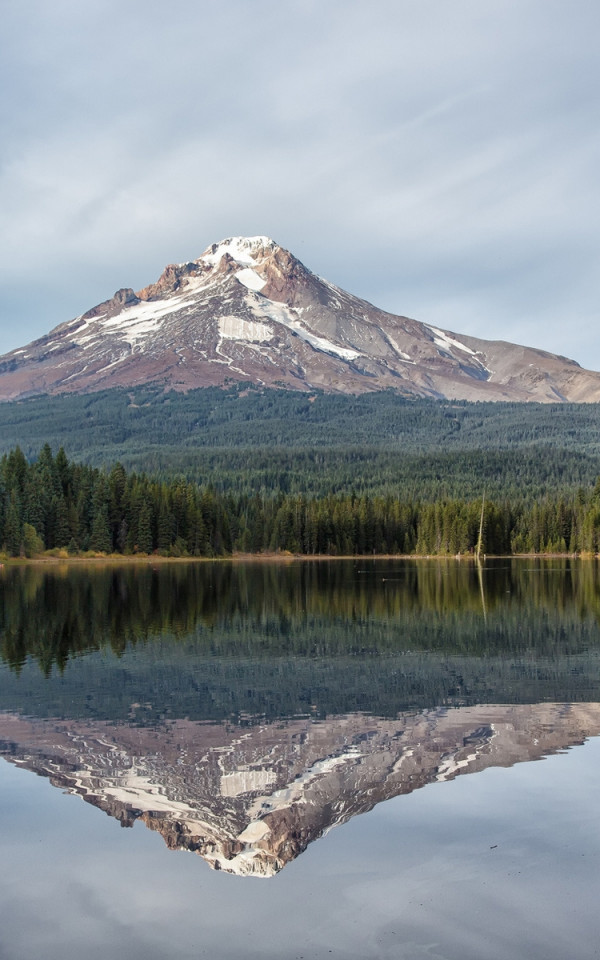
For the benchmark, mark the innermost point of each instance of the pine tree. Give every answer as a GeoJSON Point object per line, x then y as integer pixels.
{"type": "Point", "coordinates": [144, 531]}
{"type": "Point", "coordinates": [13, 527]}
{"type": "Point", "coordinates": [100, 538]}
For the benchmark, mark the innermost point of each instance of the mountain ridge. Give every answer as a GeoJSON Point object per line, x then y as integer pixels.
{"type": "Point", "coordinates": [248, 310]}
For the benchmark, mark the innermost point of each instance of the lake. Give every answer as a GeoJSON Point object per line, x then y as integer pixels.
{"type": "Point", "coordinates": [443, 718]}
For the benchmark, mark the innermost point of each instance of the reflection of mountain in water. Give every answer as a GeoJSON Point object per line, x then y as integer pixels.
{"type": "Point", "coordinates": [251, 799]}
{"type": "Point", "coordinates": [365, 656]}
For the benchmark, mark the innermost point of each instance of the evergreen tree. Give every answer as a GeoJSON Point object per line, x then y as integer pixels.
{"type": "Point", "coordinates": [144, 531]}
{"type": "Point", "coordinates": [13, 527]}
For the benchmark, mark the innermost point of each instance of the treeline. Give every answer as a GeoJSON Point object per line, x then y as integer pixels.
{"type": "Point", "coordinates": [55, 504]}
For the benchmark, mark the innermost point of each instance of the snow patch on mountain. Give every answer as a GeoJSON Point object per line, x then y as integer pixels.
{"type": "Point", "coordinates": [132, 324]}
{"type": "Point", "coordinates": [448, 346]}
{"type": "Point", "coordinates": [401, 354]}
{"type": "Point", "coordinates": [445, 342]}
{"type": "Point", "coordinates": [284, 315]}
{"type": "Point", "coordinates": [236, 328]}
{"type": "Point", "coordinates": [250, 279]}
{"type": "Point", "coordinates": [113, 363]}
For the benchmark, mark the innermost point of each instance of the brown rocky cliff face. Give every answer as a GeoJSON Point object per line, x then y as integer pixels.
{"type": "Point", "coordinates": [288, 280]}
{"type": "Point", "coordinates": [174, 277]}
{"type": "Point", "coordinates": [111, 308]}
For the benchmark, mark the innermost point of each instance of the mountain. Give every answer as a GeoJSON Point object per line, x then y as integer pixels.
{"type": "Point", "coordinates": [249, 800]}
{"type": "Point", "coordinates": [248, 310]}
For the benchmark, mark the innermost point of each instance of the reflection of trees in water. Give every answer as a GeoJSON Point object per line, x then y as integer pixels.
{"type": "Point", "coordinates": [305, 608]}
{"type": "Point", "coordinates": [221, 639]}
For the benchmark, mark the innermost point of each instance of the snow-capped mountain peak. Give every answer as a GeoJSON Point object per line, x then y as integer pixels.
{"type": "Point", "coordinates": [244, 250]}
{"type": "Point", "coordinates": [248, 310]}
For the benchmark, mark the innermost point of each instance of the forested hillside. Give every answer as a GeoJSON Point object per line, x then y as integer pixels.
{"type": "Point", "coordinates": [246, 441]}
{"type": "Point", "coordinates": [141, 419]}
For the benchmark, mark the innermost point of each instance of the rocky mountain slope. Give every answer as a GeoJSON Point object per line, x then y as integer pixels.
{"type": "Point", "coordinates": [250, 800]}
{"type": "Point", "coordinates": [247, 310]}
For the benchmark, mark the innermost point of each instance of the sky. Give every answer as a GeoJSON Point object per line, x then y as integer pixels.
{"type": "Point", "coordinates": [439, 159]}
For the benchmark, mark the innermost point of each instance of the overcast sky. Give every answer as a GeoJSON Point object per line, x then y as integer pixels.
{"type": "Point", "coordinates": [440, 158]}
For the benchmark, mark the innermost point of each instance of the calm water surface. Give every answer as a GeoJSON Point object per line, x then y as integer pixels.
{"type": "Point", "coordinates": [443, 719]}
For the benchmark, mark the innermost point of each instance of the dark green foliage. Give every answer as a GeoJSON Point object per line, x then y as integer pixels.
{"type": "Point", "coordinates": [245, 440]}
{"type": "Point", "coordinates": [68, 506]}
{"type": "Point", "coordinates": [13, 524]}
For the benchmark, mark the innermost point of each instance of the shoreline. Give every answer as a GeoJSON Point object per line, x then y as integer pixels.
{"type": "Point", "coordinates": [285, 558]}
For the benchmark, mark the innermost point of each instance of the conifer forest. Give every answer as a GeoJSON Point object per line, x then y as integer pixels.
{"type": "Point", "coordinates": [52, 503]}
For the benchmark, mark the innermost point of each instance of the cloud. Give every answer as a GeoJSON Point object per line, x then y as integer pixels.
{"type": "Point", "coordinates": [438, 159]}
